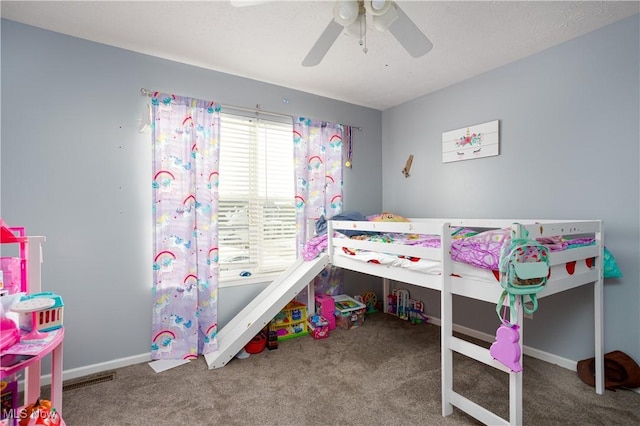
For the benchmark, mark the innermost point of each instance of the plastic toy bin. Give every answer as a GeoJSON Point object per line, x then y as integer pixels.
{"type": "Point", "coordinates": [349, 312]}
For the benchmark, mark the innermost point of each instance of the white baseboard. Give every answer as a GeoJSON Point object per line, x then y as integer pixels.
{"type": "Point", "coordinates": [104, 366]}
{"type": "Point", "coordinates": [88, 370]}
{"type": "Point", "coordinates": [532, 352]}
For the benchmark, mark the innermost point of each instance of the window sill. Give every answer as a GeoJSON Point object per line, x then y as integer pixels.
{"type": "Point", "coordinates": [235, 281]}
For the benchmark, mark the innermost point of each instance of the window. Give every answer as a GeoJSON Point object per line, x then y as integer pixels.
{"type": "Point", "coordinates": [257, 218]}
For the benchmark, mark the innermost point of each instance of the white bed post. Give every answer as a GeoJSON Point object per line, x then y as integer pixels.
{"type": "Point", "coordinates": [446, 322]}
{"type": "Point", "coordinates": [385, 295]}
{"type": "Point", "coordinates": [311, 298]}
{"type": "Point", "coordinates": [598, 304]}
{"type": "Point", "coordinates": [330, 240]}
{"type": "Point", "coordinates": [515, 379]}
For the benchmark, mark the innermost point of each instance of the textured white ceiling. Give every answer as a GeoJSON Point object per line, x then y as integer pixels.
{"type": "Point", "coordinates": [268, 41]}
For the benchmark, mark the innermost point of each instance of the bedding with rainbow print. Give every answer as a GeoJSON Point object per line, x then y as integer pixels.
{"type": "Point", "coordinates": [475, 254]}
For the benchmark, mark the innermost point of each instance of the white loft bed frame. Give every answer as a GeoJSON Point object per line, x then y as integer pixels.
{"type": "Point", "coordinates": [468, 287]}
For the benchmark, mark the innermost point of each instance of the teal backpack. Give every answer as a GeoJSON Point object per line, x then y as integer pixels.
{"type": "Point", "coordinates": [524, 269]}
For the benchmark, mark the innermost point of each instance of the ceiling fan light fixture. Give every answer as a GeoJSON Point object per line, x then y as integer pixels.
{"type": "Point", "coordinates": [356, 28]}
{"type": "Point", "coordinates": [351, 17]}
{"type": "Point", "coordinates": [377, 7]}
{"type": "Point", "coordinates": [383, 22]}
{"type": "Point", "coordinates": [345, 12]}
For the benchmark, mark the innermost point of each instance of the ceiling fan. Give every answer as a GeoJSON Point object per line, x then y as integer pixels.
{"type": "Point", "coordinates": [351, 16]}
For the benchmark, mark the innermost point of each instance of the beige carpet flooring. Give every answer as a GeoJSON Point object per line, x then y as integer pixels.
{"type": "Point", "coordinates": [386, 372]}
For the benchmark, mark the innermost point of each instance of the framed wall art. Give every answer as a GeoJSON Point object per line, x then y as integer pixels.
{"type": "Point", "coordinates": [471, 142]}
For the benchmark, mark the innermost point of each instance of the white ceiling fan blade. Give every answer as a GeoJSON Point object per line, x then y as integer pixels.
{"type": "Point", "coordinates": [324, 43]}
{"type": "Point", "coordinates": [409, 35]}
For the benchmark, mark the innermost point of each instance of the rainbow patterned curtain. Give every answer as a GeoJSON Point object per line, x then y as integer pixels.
{"type": "Point", "coordinates": [318, 155]}
{"type": "Point", "coordinates": [185, 134]}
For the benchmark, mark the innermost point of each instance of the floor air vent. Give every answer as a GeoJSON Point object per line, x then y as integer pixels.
{"type": "Point", "coordinates": [89, 381]}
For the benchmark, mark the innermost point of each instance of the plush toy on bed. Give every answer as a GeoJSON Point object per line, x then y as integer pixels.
{"type": "Point", "coordinates": [387, 217]}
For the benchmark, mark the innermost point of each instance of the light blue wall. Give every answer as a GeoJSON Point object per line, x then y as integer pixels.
{"type": "Point", "coordinates": [569, 149]}
{"type": "Point", "coordinates": [76, 170]}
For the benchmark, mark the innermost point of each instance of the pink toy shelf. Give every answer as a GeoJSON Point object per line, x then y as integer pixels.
{"type": "Point", "coordinates": [45, 332]}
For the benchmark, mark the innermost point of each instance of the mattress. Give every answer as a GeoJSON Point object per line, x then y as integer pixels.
{"type": "Point", "coordinates": [459, 268]}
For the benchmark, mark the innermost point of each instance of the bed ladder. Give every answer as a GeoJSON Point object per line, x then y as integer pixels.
{"type": "Point", "coordinates": [261, 310]}
{"type": "Point", "coordinates": [451, 344]}
{"type": "Point", "coordinates": [450, 398]}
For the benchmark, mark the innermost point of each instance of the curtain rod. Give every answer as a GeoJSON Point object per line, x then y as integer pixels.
{"type": "Point", "coordinates": [146, 92]}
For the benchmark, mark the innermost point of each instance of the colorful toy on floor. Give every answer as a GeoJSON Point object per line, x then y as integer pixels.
{"type": "Point", "coordinates": [40, 413]}
{"type": "Point", "coordinates": [318, 326]}
{"type": "Point", "coordinates": [257, 344]}
{"type": "Point", "coordinates": [272, 338]}
{"type": "Point", "coordinates": [370, 300]}
{"type": "Point", "coordinates": [416, 315]}
{"type": "Point", "coordinates": [326, 307]}
{"type": "Point", "coordinates": [291, 321]}
{"type": "Point", "coordinates": [402, 306]}
{"type": "Point", "coordinates": [401, 298]}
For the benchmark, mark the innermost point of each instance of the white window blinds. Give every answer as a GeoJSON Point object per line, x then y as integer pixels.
{"type": "Point", "coordinates": [257, 220]}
